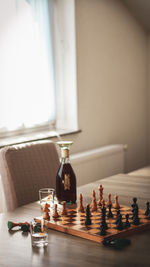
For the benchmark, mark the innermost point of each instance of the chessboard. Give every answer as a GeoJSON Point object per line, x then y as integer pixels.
{"type": "Point", "coordinates": [74, 223]}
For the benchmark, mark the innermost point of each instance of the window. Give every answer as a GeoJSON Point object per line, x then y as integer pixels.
{"type": "Point", "coordinates": [37, 70]}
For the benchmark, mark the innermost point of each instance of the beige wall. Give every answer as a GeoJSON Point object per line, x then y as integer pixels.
{"type": "Point", "coordinates": [111, 80]}
{"type": "Point", "coordinates": [149, 93]}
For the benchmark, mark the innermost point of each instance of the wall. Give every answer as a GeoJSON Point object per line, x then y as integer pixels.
{"type": "Point", "coordinates": [111, 80]}
{"type": "Point", "coordinates": [149, 93]}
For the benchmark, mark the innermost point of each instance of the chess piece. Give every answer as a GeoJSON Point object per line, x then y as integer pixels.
{"type": "Point", "coordinates": [103, 203]}
{"type": "Point", "coordinates": [24, 226]}
{"type": "Point", "coordinates": [103, 209]}
{"type": "Point", "coordinates": [136, 220]}
{"type": "Point", "coordinates": [100, 195]}
{"type": "Point", "coordinates": [119, 223]}
{"type": "Point", "coordinates": [102, 229]}
{"type": "Point", "coordinates": [117, 216]}
{"type": "Point", "coordinates": [134, 205]}
{"type": "Point", "coordinates": [148, 217]}
{"type": "Point", "coordinates": [103, 222]}
{"type": "Point", "coordinates": [109, 214]}
{"type": "Point", "coordinates": [147, 212]}
{"type": "Point", "coordinates": [94, 204]}
{"type": "Point", "coordinates": [88, 215]}
{"type": "Point", "coordinates": [55, 213]}
{"type": "Point", "coordinates": [93, 194]}
{"type": "Point", "coordinates": [64, 211]}
{"type": "Point", "coordinates": [81, 208]}
{"type": "Point", "coordinates": [127, 223]}
{"type": "Point", "coordinates": [46, 211]}
{"type": "Point", "coordinates": [109, 200]}
{"type": "Point", "coordinates": [116, 204]}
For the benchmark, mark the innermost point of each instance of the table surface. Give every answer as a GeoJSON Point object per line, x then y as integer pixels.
{"type": "Point", "coordinates": [66, 250]}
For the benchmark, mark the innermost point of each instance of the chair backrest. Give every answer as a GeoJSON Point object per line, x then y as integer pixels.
{"type": "Point", "coordinates": [26, 168]}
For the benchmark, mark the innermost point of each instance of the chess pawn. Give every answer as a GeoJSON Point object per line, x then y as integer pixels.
{"type": "Point", "coordinates": [46, 211]}
{"type": "Point", "coordinates": [119, 223]}
{"type": "Point", "coordinates": [55, 213]}
{"type": "Point", "coordinates": [116, 204]}
{"type": "Point", "coordinates": [64, 211]}
{"type": "Point", "coordinates": [81, 208]}
{"type": "Point", "coordinates": [127, 223]}
{"type": "Point", "coordinates": [109, 200]}
{"type": "Point", "coordinates": [94, 204]}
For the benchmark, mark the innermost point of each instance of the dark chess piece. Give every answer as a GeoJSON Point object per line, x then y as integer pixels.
{"type": "Point", "coordinates": [103, 209]}
{"type": "Point", "coordinates": [136, 220]}
{"type": "Point", "coordinates": [109, 214]}
{"type": "Point", "coordinates": [117, 218]}
{"type": "Point", "coordinates": [119, 224]}
{"type": "Point", "coordinates": [102, 229]}
{"type": "Point", "coordinates": [88, 215]}
{"type": "Point", "coordinates": [127, 223]}
{"type": "Point", "coordinates": [147, 209]}
{"type": "Point", "coordinates": [134, 205]}
{"type": "Point", "coordinates": [103, 222]}
{"type": "Point", "coordinates": [148, 217]}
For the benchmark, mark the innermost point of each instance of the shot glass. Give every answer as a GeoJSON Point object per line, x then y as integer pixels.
{"type": "Point", "coordinates": [46, 195]}
{"type": "Point", "coordinates": [39, 234]}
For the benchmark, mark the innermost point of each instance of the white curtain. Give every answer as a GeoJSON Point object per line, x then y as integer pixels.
{"type": "Point", "coordinates": [27, 96]}
{"type": "Point", "coordinates": [27, 90]}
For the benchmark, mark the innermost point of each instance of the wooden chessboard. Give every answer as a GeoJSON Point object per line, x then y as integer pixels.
{"type": "Point", "coordinates": [74, 224]}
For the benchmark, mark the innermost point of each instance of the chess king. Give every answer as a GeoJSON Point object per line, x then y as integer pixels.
{"type": "Point", "coordinates": [65, 179]}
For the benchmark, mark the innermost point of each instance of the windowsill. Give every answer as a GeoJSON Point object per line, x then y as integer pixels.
{"type": "Point", "coordinates": [35, 137]}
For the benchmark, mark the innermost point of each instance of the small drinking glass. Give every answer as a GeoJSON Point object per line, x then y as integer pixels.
{"type": "Point", "coordinates": [39, 235]}
{"type": "Point", "coordinates": [46, 195]}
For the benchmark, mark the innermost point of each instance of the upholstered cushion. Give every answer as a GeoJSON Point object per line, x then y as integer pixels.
{"type": "Point", "coordinates": [25, 169]}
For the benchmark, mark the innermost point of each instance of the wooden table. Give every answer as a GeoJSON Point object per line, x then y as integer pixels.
{"type": "Point", "coordinates": [68, 251]}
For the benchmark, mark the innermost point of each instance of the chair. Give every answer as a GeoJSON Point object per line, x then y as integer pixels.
{"type": "Point", "coordinates": [25, 168]}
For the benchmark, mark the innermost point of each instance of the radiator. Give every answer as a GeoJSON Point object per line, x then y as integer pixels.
{"type": "Point", "coordinates": [98, 163]}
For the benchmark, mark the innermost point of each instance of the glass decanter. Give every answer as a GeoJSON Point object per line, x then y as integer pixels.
{"type": "Point", "coordinates": [65, 179]}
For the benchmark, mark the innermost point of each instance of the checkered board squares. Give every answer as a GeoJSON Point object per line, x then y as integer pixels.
{"type": "Point", "coordinates": [74, 223]}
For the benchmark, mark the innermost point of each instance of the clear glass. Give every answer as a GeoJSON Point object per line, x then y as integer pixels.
{"type": "Point", "coordinates": [39, 234]}
{"type": "Point", "coordinates": [46, 195]}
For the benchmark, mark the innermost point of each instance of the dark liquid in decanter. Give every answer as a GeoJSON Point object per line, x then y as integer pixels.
{"type": "Point", "coordinates": [66, 183]}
